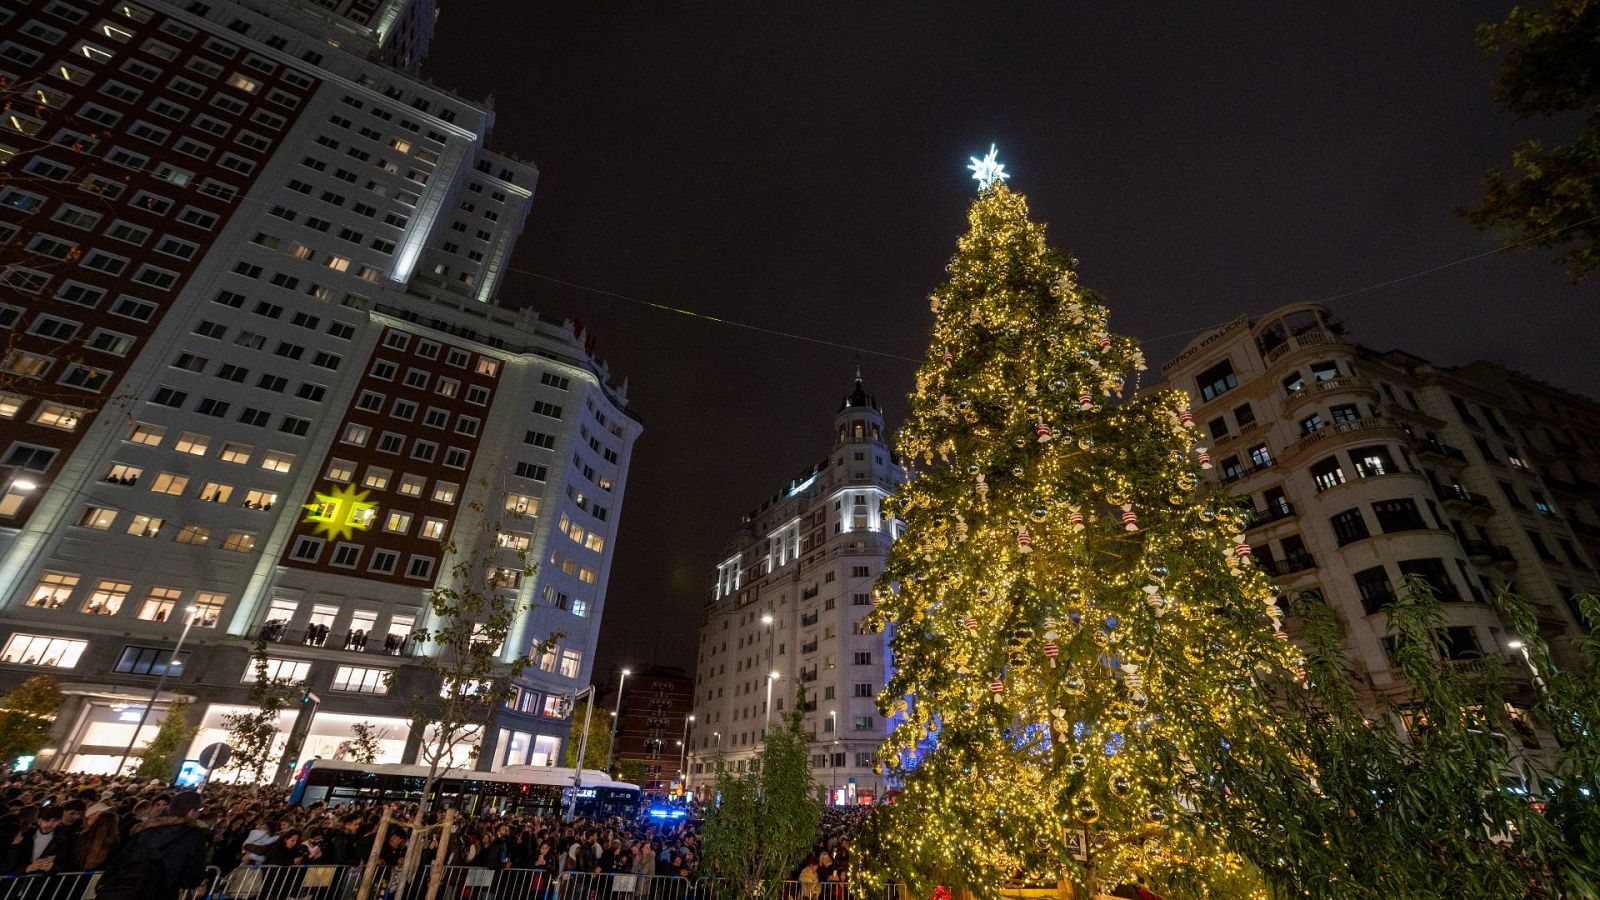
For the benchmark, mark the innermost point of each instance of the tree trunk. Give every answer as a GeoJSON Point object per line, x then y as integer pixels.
{"type": "Point", "coordinates": [371, 867]}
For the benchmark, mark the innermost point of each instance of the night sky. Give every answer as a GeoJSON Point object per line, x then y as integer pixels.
{"type": "Point", "coordinates": [801, 167]}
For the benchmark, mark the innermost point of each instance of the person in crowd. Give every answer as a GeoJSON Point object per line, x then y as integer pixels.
{"type": "Point", "coordinates": [43, 848]}
{"type": "Point", "coordinates": [164, 855]}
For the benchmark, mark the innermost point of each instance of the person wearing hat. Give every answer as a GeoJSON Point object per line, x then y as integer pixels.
{"type": "Point", "coordinates": [163, 855]}
{"type": "Point", "coordinates": [43, 848]}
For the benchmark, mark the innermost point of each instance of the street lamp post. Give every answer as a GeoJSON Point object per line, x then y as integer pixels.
{"type": "Point", "coordinates": [833, 771]}
{"type": "Point", "coordinates": [771, 677]}
{"type": "Point", "coordinates": [683, 755]}
{"type": "Point", "coordinates": [583, 749]}
{"type": "Point", "coordinates": [188, 622]}
{"type": "Point", "coordinates": [616, 722]}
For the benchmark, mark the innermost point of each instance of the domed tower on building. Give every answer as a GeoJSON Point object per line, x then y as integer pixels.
{"type": "Point", "coordinates": [785, 612]}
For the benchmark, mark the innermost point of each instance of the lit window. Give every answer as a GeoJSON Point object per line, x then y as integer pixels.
{"type": "Point", "coordinates": [241, 541]}
{"type": "Point", "coordinates": [38, 650]}
{"type": "Point", "coordinates": [55, 415]}
{"type": "Point", "coordinates": [216, 492]}
{"type": "Point", "coordinates": [168, 483]}
{"type": "Point", "coordinates": [357, 434]}
{"type": "Point", "coordinates": [208, 608]}
{"type": "Point", "coordinates": [235, 453]}
{"type": "Point", "coordinates": [277, 461]}
{"type": "Point", "coordinates": [193, 534]}
{"type": "Point", "coordinates": [411, 485]}
{"type": "Point", "coordinates": [522, 504]}
{"type": "Point", "coordinates": [514, 540]}
{"type": "Point", "coordinates": [256, 499]}
{"type": "Point", "coordinates": [107, 598]}
{"type": "Point", "coordinates": [98, 517]}
{"type": "Point", "coordinates": [159, 603]}
{"type": "Point", "coordinates": [444, 492]}
{"type": "Point", "coordinates": [361, 680]}
{"type": "Point", "coordinates": [377, 478]}
{"type": "Point", "coordinates": [53, 591]}
{"type": "Point", "coordinates": [338, 263]}
{"type": "Point", "coordinates": [248, 85]}
{"type": "Point", "coordinates": [341, 470]}
{"type": "Point", "coordinates": [571, 660]}
{"type": "Point", "coordinates": [147, 434]}
{"type": "Point", "coordinates": [433, 529]}
{"type": "Point", "coordinates": [284, 670]}
{"type": "Point", "coordinates": [146, 526]}
{"type": "Point", "coordinates": [10, 405]}
{"type": "Point", "coordinates": [398, 522]}
{"type": "Point", "coordinates": [189, 442]}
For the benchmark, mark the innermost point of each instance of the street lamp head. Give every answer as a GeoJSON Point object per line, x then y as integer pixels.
{"type": "Point", "coordinates": [23, 484]}
{"type": "Point", "coordinates": [627, 672]}
{"type": "Point", "coordinates": [766, 619]}
{"type": "Point", "coordinates": [774, 675]}
{"type": "Point", "coordinates": [1515, 645]}
{"type": "Point", "coordinates": [691, 718]}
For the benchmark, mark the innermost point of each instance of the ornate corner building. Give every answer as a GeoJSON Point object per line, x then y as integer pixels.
{"type": "Point", "coordinates": [1364, 467]}
{"type": "Point", "coordinates": [256, 378]}
{"type": "Point", "coordinates": [785, 615]}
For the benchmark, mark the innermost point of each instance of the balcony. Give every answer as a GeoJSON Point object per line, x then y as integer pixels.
{"type": "Point", "coordinates": [1483, 553]}
{"type": "Point", "coordinates": [1315, 337]}
{"type": "Point", "coordinates": [1322, 388]}
{"type": "Point", "coordinates": [1461, 498]}
{"type": "Point", "coordinates": [1259, 517]}
{"type": "Point", "coordinates": [807, 677]}
{"type": "Point", "coordinates": [1434, 448]}
{"type": "Point", "coordinates": [1371, 428]}
{"type": "Point", "coordinates": [1247, 471]}
{"type": "Point", "coordinates": [1289, 565]}
{"type": "Point", "coordinates": [809, 648]}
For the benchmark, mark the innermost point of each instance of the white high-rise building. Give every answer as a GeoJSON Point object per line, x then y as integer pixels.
{"type": "Point", "coordinates": [259, 269]}
{"type": "Point", "coordinates": [785, 613]}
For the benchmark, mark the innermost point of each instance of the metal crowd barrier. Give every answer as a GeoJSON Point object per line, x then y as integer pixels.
{"type": "Point", "coordinates": [622, 886]}
{"type": "Point", "coordinates": [308, 882]}
{"type": "Point", "coordinates": [75, 885]}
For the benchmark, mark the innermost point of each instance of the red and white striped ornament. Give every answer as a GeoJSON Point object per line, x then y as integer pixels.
{"type": "Point", "coordinates": [1104, 342]}
{"type": "Point", "coordinates": [1130, 519]}
{"type": "Point", "coordinates": [1241, 550]}
{"type": "Point", "coordinates": [1186, 417]}
{"type": "Point", "coordinates": [1024, 542]}
{"type": "Point", "coordinates": [948, 357]}
{"type": "Point", "coordinates": [1052, 650]}
{"type": "Point", "coordinates": [997, 686]}
{"type": "Point", "coordinates": [1205, 458]}
{"type": "Point", "coordinates": [1075, 518]}
{"type": "Point", "coordinates": [1042, 429]}
{"type": "Point", "coordinates": [1085, 401]}
{"type": "Point", "coordinates": [971, 623]}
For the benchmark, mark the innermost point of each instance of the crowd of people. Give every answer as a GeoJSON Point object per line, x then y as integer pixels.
{"type": "Point", "coordinates": [55, 822]}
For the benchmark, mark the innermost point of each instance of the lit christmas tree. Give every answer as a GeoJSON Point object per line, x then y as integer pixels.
{"type": "Point", "coordinates": [1077, 631]}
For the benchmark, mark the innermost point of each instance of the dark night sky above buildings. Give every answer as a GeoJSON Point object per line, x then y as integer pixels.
{"type": "Point", "coordinates": [801, 167]}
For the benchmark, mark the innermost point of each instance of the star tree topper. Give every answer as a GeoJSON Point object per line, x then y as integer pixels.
{"type": "Point", "coordinates": [989, 169]}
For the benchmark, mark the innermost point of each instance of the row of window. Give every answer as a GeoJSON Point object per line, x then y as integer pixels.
{"type": "Point", "coordinates": [394, 443]}
{"type": "Point", "coordinates": [382, 561]}
{"type": "Point", "coordinates": [56, 590]}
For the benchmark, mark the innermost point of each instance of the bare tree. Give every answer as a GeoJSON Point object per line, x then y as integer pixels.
{"type": "Point", "coordinates": [475, 610]}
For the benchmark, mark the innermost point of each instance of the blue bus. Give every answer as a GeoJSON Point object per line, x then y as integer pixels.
{"type": "Point", "coordinates": [527, 790]}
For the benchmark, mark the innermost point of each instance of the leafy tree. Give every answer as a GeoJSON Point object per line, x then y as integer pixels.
{"type": "Point", "coordinates": [365, 745]}
{"type": "Point", "coordinates": [1550, 69]}
{"type": "Point", "coordinates": [594, 753]}
{"type": "Point", "coordinates": [765, 819]}
{"type": "Point", "coordinates": [160, 758]}
{"type": "Point", "coordinates": [26, 717]}
{"type": "Point", "coordinates": [253, 734]}
{"type": "Point", "coordinates": [1075, 630]}
{"type": "Point", "coordinates": [1414, 793]}
{"type": "Point", "coordinates": [632, 771]}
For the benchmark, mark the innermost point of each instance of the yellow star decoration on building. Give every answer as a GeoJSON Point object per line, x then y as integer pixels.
{"type": "Point", "coordinates": [341, 512]}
